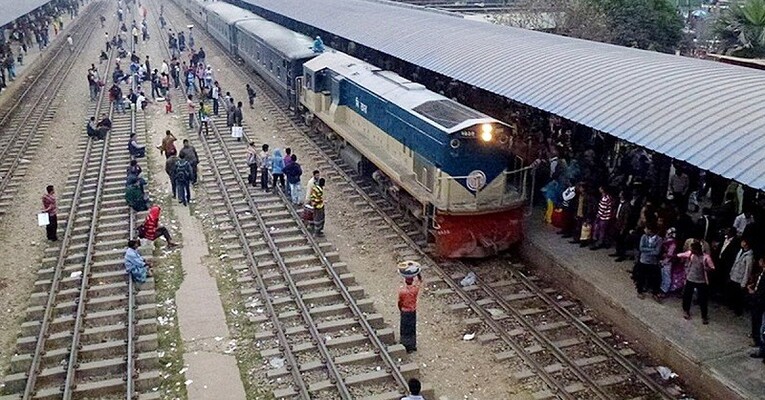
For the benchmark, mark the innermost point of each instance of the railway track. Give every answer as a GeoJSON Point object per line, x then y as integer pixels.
{"type": "Point", "coordinates": [29, 114]}
{"type": "Point", "coordinates": [553, 347]}
{"type": "Point", "coordinates": [324, 338]}
{"type": "Point", "coordinates": [90, 333]}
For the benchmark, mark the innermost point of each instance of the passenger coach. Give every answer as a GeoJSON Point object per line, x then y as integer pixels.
{"type": "Point", "coordinates": [276, 53]}
{"type": "Point", "coordinates": [221, 20]}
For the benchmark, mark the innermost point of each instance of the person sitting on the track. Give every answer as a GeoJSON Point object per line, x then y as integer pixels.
{"type": "Point", "coordinates": [103, 57]}
{"type": "Point", "coordinates": [151, 230]}
{"type": "Point", "coordinates": [103, 127]}
{"type": "Point", "coordinates": [90, 128]}
{"type": "Point", "coordinates": [135, 265]}
{"type": "Point", "coordinates": [118, 75]}
{"type": "Point", "coordinates": [135, 195]}
{"type": "Point", "coordinates": [136, 150]}
{"type": "Point", "coordinates": [134, 168]}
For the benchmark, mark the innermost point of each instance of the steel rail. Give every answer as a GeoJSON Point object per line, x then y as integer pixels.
{"type": "Point", "coordinates": [71, 370]}
{"type": "Point", "coordinates": [42, 102]}
{"type": "Point", "coordinates": [582, 327]}
{"type": "Point", "coordinates": [34, 368]}
{"type": "Point", "coordinates": [326, 263]}
{"type": "Point", "coordinates": [83, 299]}
{"type": "Point", "coordinates": [305, 312]}
{"type": "Point", "coordinates": [252, 265]}
{"type": "Point", "coordinates": [130, 357]}
{"type": "Point", "coordinates": [261, 285]}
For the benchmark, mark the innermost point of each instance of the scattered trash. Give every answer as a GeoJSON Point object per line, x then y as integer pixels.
{"type": "Point", "coordinates": [188, 382]}
{"type": "Point", "coordinates": [218, 338]}
{"type": "Point", "coordinates": [666, 373]}
{"type": "Point", "coordinates": [76, 274]}
{"type": "Point", "coordinates": [183, 370]}
{"type": "Point", "coordinates": [223, 256]}
{"type": "Point", "coordinates": [559, 298]}
{"type": "Point", "coordinates": [468, 337]}
{"type": "Point", "coordinates": [469, 279]}
{"type": "Point", "coordinates": [495, 312]}
{"type": "Point", "coordinates": [276, 362]}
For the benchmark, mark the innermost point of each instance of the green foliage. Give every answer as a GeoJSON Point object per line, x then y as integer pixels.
{"type": "Point", "coordinates": [645, 24]}
{"type": "Point", "coordinates": [741, 29]}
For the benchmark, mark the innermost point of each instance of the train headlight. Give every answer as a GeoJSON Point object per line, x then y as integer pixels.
{"type": "Point", "coordinates": [486, 132]}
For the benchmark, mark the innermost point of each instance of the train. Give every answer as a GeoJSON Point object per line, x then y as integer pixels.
{"type": "Point", "coordinates": [445, 164]}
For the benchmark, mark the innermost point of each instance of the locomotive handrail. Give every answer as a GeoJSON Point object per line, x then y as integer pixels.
{"type": "Point", "coordinates": [504, 200]}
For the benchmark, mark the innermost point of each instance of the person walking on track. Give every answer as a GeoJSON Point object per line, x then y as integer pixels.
{"type": "Point", "coordinates": [183, 174]}
{"type": "Point", "coordinates": [407, 303]}
{"type": "Point", "coordinates": [251, 95]}
{"type": "Point", "coordinates": [252, 163]}
{"type": "Point", "coordinates": [317, 202]}
{"type": "Point", "coordinates": [192, 110]}
{"type": "Point", "coordinates": [190, 154]}
{"type": "Point", "coordinates": [50, 206]}
{"type": "Point", "coordinates": [170, 170]}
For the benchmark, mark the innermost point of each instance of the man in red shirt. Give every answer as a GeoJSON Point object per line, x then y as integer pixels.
{"type": "Point", "coordinates": [407, 304]}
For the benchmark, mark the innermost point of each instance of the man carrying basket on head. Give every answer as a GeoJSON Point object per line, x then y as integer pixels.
{"type": "Point", "coordinates": [407, 303]}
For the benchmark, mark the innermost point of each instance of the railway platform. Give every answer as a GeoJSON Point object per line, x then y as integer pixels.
{"type": "Point", "coordinates": [712, 360]}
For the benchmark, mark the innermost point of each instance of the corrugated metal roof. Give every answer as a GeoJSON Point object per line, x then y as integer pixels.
{"type": "Point", "coordinates": [709, 114]}
{"type": "Point", "coordinates": [228, 12]}
{"type": "Point", "coordinates": [12, 9]}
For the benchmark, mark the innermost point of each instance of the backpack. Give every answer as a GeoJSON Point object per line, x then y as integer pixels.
{"type": "Point", "coordinates": [181, 172]}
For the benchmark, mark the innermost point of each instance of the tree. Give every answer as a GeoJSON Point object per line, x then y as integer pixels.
{"type": "Point", "coordinates": [645, 24]}
{"type": "Point", "coordinates": [741, 29]}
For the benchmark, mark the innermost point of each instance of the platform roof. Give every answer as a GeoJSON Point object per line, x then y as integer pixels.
{"type": "Point", "coordinates": [10, 10]}
{"type": "Point", "coordinates": [709, 114]}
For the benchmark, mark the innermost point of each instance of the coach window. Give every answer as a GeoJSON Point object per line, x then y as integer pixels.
{"type": "Point", "coordinates": [271, 66]}
{"type": "Point", "coordinates": [278, 72]}
{"type": "Point", "coordinates": [257, 54]}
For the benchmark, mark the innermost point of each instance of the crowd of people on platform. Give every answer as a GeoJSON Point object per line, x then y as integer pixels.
{"type": "Point", "coordinates": [33, 29]}
{"type": "Point", "coordinates": [689, 234]}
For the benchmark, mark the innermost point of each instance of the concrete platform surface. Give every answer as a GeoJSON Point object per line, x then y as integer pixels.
{"type": "Point", "coordinates": [224, 384]}
{"type": "Point", "coordinates": [712, 359]}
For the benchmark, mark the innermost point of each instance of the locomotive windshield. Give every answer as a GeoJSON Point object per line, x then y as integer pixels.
{"type": "Point", "coordinates": [447, 113]}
